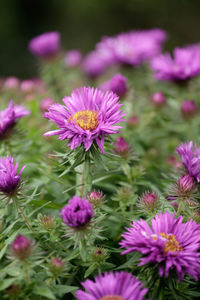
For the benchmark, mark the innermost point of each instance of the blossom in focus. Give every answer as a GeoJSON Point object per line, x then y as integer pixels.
{"type": "Point", "coordinates": [77, 213]}
{"type": "Point", "coordinates": [21, 247]}
{"type": "Point", "coordinates": [87, 116]}
{"type": "Point", "coordinates": [73, 58]}
{"type": "Point", "coordinates": [117, 84]}
{"type": "Point", "coordinates": [188, 108]}
{"type": "Point", "coordinates": [184, 65]}
{"type": "Point", "coordinates": [112, 286]}
{"type": "Point", "coordinates": [9, 116]}
{"type": "Point", "coordinates": [9, 179]}
{"type": "Point", "coordinates": [190, 156]}
{"type": "Point", "coordinates": [168, 242]}
{"type": "Point", "coordinates": [46, 45]}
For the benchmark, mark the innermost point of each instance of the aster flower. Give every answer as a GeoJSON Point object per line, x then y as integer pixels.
{"type": "Point", "coordinates": [11, 83]}
{"type": "Point", "coordinates": [112, 286]}
{"type": "Point", "coordinates": [9, 116]}
{"type": "Point", "coordinates": [46, 45]}
{"type": "Point", "coordinates": [169, 243]}
{"type": "Point", "coordinates": [116, 84]}
{"type": "Point", "coordinates": [77, 213]}
{"type": "Point", "coordinates": [45, 103]}
{"type": "Point", "coordinates": [73, 58]}
{"type": "Point", "coordinates": [184, 65]}
{"type": "Point", "coordinates": [9, 179]}
{"type": "Point", "coordinates": [88, 115]}
{"type": "Point", "coordinates": [190, 156]}
{"type": "Point", "coordinates": [188, 108]}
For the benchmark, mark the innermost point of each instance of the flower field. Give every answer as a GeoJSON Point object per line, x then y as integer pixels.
{"type": "Point", "coordinates": [100, 172]}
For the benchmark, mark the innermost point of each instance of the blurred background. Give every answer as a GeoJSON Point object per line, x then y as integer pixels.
{"type": "Point", "coordinates": [83, 22]}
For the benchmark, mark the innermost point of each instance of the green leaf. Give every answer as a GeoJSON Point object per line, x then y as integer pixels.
{"type": "Point", "coordinates": [90, 270]}
{"type": "Point", "coordinates": [43, 290]}
{"type": "Point", "coordinates": [4, 284]}
{"type": "Point", "coordinates": [64, 289]}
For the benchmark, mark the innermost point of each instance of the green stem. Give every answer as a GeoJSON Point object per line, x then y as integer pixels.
{"type": "Point", "coordinates": [179, 208]}
{"type": "Point", "coordinates": [87, 175]}
{"type": "Point", "coordinates": [15, 200]}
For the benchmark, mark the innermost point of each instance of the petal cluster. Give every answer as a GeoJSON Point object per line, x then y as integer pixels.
{"type": "Point", "coordinates": [9, 116]}
{"type": "Point", "coordinates": [117, 285]}
{"type": "Point", "coordinates": [87, 116]}
{"type": "Point", "coordinates": [9, 179]}
{"type": "Point", "coordinates": [45, 45]}
{"type": "Point", "coordinates": [169, 242]}
{"type": "Point", "coordinates": [77, 213]}
{"type": "Point", "coordinates": [184, 65]}
{"type": "Point", "coordinates": [190, 156]}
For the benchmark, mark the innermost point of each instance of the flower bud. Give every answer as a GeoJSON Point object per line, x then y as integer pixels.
{"type": "Point", "coordinates": [116, 84]}
{"type": "Point", "coordinates": [47, 222]}
{"type": "Point", "coordinates": [45, 103]}
{"type": "Point", "coordinates": [122, 147]}
{"type": "Point", "coordinates": [99, 255]}
{"type": "Point", "coordinates": [73, 58]}
{"type": "Point", "coordinates": [186, 184]}
{"type": "Point", "coordinates": [188, 108]}
{"type": "Point", "coordinates": [56, 266]}
{"type": "Point", "coordinates": [11, 83]}
{"type": "Point", "coordinates": [158, 99]}
{"type": "Point", "coordinates": [21, 247]}
{"type": "Point", "coordinates": [96, 198]}
{"type": "Point", "coordinates": [149, 201]}
{"type": "Point", "coordinates": [27, 86]}
{"type": "Point", "coordinates": [133, 121]}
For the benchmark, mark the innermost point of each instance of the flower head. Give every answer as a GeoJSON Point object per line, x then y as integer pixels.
{"type": "Point", "coordinates": [9, 116]}
{"type": "Point", "coordinates": [45, 103]}
{"type": "Point", "coordinates": [158, 99]}
{"type": "Point", "coordinates": [77, 213]}
{"type": "Point", "coordinates": [27, 86]}
{"type": "Point", "coordinates": [184, 65]}
{"type": "Point", "coordinates": [169, 242]}
{"type": "Point", "coordinates": [9, 179]}
{"type": "Point", "coordinates": [46, 45]}
{"type": "Point", "coordinates": [116, 84]}
{"type": "Point", "coordinates": [190, 157]}
{"type": "Point", "coordinates": [188, 108]}
{"type": "Point", "coordinates": [73, 58]}
{"type": "Point", "coordinates": [122, 147]}
{"type": "Point", "coordinates": [112, 286]}
{"type": "Point", "coordinates": [21, 247]}
{"type": "Point", "coordinates": [87, 116]}
{"type": "Point", "coordinates": [11, 83]}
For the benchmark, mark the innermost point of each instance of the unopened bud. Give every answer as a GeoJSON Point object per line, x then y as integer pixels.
{"type": "Point", "coordinates": [21, 247]}
{"type": "Point", "coordinates": [158, 99]}
{"type": "Point", "coordinates": [95, 198]}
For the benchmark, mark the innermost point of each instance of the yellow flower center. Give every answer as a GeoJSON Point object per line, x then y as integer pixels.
{"type": "Point", "coordinates": [172, 245]}
{"type": "Point", "coordinates": [86, 119]}
{"type": "Point", "coordinates": [111, 297]}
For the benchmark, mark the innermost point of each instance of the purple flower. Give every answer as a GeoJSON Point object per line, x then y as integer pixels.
{"type": "Point", "coordinates": [122, 147]}
{"type": "Point", "coordinates": [186, 184]}
{"type": "Point", "coordinates": [168, 242]}
{"type": "Point", "coordinates": [73, 58]}
{"type": "Point", "coordinates": [190, 157]}
{"type": "Point", "coordinates": [11, 83]}
{"type": "Point", "coordinates": [21, 247]}
{"type": "Point", "coordinates": [158, 99]}
{"type": "Point", "coordinates": [148, 201]}
{"type": "Point", "coordinates": [188, 108]}
{"type": "Point", "coordinates": [95, 198]}
{"type": "Point", "coordinates": [112, 286]}
{"type": "Point", "coordinates": [77, 213]}
{"type": "Point", "coordinates": [116, 84]}
{"type": "Point", "coordinates": [27, 86]}
{"type": "Point", "coordinates": [45, 103]}
{"type": "Point", "coordinates": [9, 179]}
{"type": "Point", "coordinates": [46, 45]}
{"type": "Point", "coordinates": [88, 115]}
{"type": "Point", "coordinates": [184, 65]}
{"type": "Point", "coordinates": [9, 116]}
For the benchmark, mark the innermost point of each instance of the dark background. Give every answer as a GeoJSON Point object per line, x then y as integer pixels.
{"type": "Point", "coordinates": [83, 22]}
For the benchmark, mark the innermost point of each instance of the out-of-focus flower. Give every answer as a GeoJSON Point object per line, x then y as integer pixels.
{"type": "Point", "coordinates": [96, 198]}
{"type": "Point", "coordinates": [116, 84]}
{"type": "Point", "coordinates": [78, 213]}
{"type": "Point", "coordinates": [21, 247]}
{"type": "Point", "coordinates": [73, 58]}
{"type": "Point", "coordinates": [88, 115]}
{"type": "Point", "coordinates": [11, 83]}
{"type": "Point", "coordinates": [184, 65]}
{"type": "Point", "coordinates": [9, 116]}
{"type": "Point", "coordinates": [122, 147]}
{"type": "Point", "coordinates": [46, 45]}
{"type": "Point", "coordinates": [27, 86]}
{"type": "Point", "coordinates": [169, 243]}
{"type": "Point", "coordinates": [188, 108]}
{"type": "Point", "coordinates": [190, 156]}
{"type": "Point", "coordinates": [173, 161]}
{"type": "Point", "coordinates": [56, 266]}
{"type": "Point", "coordinates": [112, 286]}
{"type": "Point", "coordinates": [158, 99]}
{"type": "Point", "coordinates": [47, 222]}
{"type": "Point", "coordinates": [148, 202]}
{"type": "Point", "coordinates": [133, 121]}
{"type": "Point", "coordinates": [9, 179]}
{"type": "Point", "coordinates": [45, 103]}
